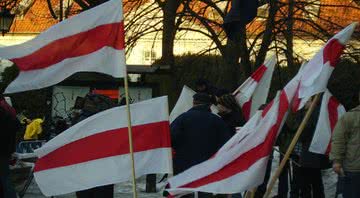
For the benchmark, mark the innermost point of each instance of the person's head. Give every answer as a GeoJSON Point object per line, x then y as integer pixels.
{"type": "Point", "coordinates": [201, 99]}
{"type": "Point", "coordinates": [227, 103]}
{"type": "Point", "coordinates": [201, 85]}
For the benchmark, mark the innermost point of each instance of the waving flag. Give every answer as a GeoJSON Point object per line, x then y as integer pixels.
{"type": "Point", "coordinates": [254, 91]}
{"type": "Point", "coordinates": [184, 103]}
{"type": "Point", "coordinates": [320, 67]}
{"type": "Point", "coordinates": [95, 151]}
{"type": "Point", "coordinates": [330, 112]}
{"type": "Point", "coordinates": [241, 163]}
{"type": "Point", "coordinates": [92, 41]}
{"type": "Point", "coordinates": [242, 160]}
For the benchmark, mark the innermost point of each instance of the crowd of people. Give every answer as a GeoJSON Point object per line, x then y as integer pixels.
{"type": "Point", "coordinates": [198, 134]}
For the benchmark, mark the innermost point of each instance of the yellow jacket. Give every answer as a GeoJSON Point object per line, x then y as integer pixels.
{"type": "Point", "coordinates": [33, 129]}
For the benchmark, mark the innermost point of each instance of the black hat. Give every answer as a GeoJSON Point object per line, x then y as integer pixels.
{"type": "Point", "coordinates": [202, 98]}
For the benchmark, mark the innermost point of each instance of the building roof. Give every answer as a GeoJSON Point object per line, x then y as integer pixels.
{"type": "Point", "coordinates": [38, 18]}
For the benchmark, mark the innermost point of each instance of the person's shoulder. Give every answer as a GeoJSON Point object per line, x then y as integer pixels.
{"type": "Point", "coordinates": [354, 110]}
{"type": "Point", "coordinates": [216, 118]}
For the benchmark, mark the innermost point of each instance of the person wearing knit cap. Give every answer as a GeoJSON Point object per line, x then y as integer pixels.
{"type": "Point", "coordinates": [230, 112]}
{"type": "Point", "coordinates": [197, 134]}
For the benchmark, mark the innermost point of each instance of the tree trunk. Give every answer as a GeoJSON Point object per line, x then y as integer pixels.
{"type": "Point", "coordinates": [268, 34]}
{"type": "Point", "coordinates": [169, 9]}
{"type": "Point", "coordinates": [233, 72]}
{"type": "Point", "coordinates": [289, 53]}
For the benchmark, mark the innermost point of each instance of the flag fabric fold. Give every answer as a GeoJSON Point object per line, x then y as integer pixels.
{"type": "Point", "coordinates": [184, 103]}
{"type": "Point", "coordinates": [95, 151]}
{"type": "Point", "coordinates": [254, 91]}
{"type": "Point", "coordinates": [330, 112]}
{"type": "Point", "coordinates": [92, 41]}
{"type": "Point", "coordinates": [316, 78]}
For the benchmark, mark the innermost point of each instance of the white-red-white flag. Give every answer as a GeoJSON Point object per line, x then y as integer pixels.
{"type": "Point", "coordinates": [318, 70]}
{"type": "Point", "coordinates": [330, 112]}
{"type": "Point", "coordinates": [184, 103]}
{"type": "Point", "coordinates": [92, 41]}
{"type": "Point", "coordinates": [241, 163]}
{"type": "Point", "coordinates": [95, 151]}
{"type": "Point", "coordinates": [254, 91]}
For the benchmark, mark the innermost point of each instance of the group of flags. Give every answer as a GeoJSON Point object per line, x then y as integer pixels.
{"type": "Point", "coordinates": [96, 152]}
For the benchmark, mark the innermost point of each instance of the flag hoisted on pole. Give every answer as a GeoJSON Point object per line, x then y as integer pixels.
{"type": "Point", "coordinates": [254, 91]}
{"type": "Point", "coordinates": [92, 41]}
{"type": "Point", "coordinates": [321, 66]}
{"type": "Point", "coordinates": [95, 151]}
{"type": "Point", "coordinates": [313, 80]}
{"type": "Point", "coordinates": [330, 112]}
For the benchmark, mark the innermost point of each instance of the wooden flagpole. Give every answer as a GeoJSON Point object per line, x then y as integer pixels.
{"type": "Point", "coordinates": [292, 145]}
{"type": "Point", "coordinates": [126, 87]}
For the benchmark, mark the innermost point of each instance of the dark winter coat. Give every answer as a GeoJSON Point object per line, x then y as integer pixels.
{"type": "Point", "coordinates": [9, 126]}
{"type": "Point", "coordinates": [307, 158]}
{"type": "Point", "coordinates": [197, 135]}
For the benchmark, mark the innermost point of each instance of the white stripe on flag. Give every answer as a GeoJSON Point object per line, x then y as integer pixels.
{"type": "Point", "coordinates": [183, 104]}
{"type": "Point", "coordinates": [323, 132]}
{"type": "Point", "coordinates": [94, 62]}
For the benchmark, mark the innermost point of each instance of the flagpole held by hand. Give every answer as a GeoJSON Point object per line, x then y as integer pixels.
{"type": "Point", "coordinates": [292, 145]}
{"type": "Point", "coordinates": [126, 87]}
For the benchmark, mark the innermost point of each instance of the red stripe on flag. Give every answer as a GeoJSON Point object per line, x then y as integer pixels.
{"type": "Point", "coordinates": [111, 35]}
{"type": "Point", "coordinates": [246, 160]}
{"type": "Point", "coordinates": [296, 100]}
{"type": "Point", "coordinates": [332, 52]}
{"type": "Point", "coordinates": [333, 106]}
{"type": "Point", "coordinates": [258, 74]}
{"type": "Point", "coordinates": [107, 144]}
{"type": "Point", "coordinates": [246, 109]}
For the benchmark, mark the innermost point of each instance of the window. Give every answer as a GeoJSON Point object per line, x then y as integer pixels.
{"type": "Point", "coordinates": [149, 56]}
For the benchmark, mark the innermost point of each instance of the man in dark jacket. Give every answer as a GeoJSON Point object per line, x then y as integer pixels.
{"type": "Point", "coordinates": [308, 175]}
{"type": "Point", "coordinates": [197, 134]}
{"type": "Point", "coordinates": [9, 126]}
